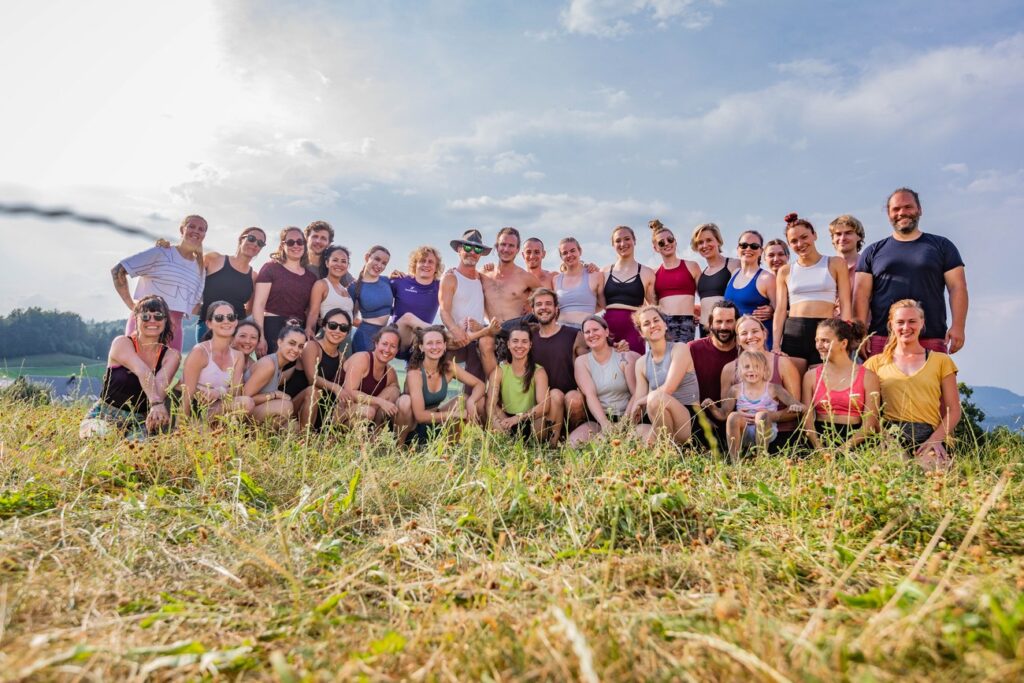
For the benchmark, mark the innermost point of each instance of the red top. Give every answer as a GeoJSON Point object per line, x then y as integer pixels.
{"type": "Point", "coordinates": [370, 384]}
{"type": "Point", "coordinates": [849, 402]}
{"type": "Point", "coordinates": [674, 281]}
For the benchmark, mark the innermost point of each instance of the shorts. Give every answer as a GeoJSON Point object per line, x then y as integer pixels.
{"type": "Point", "coordinates": [834, 431]}
{"type": "Point", "coordinates": [681, 328]}
{"type": "Point", "coordinates": [913, 434]}
{"type": "Point", "coordinates": [425, 433]}
{"type": "Point", "coordinates": [469, 358]}
{"type": "Point", "coordinates": [798, 339]}
{"type": "Point", "coordinates": [362, 338]}
{"type": "Point", "coordinates": [749, 437]}
{"type": "Point", "coordinates": [620, 324]}
{"type": "Point", "coordinates": [102, 417]}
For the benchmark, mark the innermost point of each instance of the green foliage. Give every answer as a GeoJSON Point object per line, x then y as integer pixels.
{"type": "Point", "coordinates": [23, 390]}
{"type": "Point", "coordinates": [969, 430]}
{"type": "Point", "coordinates": [33, 331]}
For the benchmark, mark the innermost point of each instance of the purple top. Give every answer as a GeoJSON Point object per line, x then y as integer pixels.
{"type": "Point", "coordinates": [412, 297]}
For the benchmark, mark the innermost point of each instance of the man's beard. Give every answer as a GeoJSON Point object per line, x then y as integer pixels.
{"type": "Point", "coordinates": [724, 335]}
{"type": "Point", "coordinates": [905, 229]}
{"type": "Point", "coordinates": [545, 320]}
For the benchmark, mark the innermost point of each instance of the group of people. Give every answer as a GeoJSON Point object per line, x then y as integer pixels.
{"type": "Point", "coordinates": [576, 353]}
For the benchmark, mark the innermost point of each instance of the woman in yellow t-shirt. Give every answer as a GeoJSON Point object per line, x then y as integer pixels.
{"type": "Point", "coordinates": [919, 391]}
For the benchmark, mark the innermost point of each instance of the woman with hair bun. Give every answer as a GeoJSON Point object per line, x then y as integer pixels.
{"type": "Point", "coordinates": [843, 397]}
{"type": "Point", "coordinates": [263, 384]}
{"type": "Point", "coordinates": [919, 390]}
{"type": "Point", "coordinates": [675, 285]}
{"type": "Point", "coordinates": [806, 292]}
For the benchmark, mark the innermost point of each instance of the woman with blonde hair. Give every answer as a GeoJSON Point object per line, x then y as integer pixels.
{"type": "Point", "coordinates": [707, 241]}
{"type": "Point", "coordinates": [416, 294]}
{"type": "Point", "coordinates": [580, 290]}
{"type": "Point", "coordinates": [675, 285]}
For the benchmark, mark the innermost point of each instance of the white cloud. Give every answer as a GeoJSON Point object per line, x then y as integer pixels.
{"type": "Point", "coordinates": [534, 175]}
{"type": "Point", "coordinates": [512, 162]}
{"type": "Point", "coordinates": [955, 168]}
{"type": "Point", "coordinates": [562, 211]}
{"type": "Point", "coordinates": [807, 68]}
{"type": "Point", "coordinates": [997, 181]}
{"type": "Point", "coordinates": [613, 97]}
{"type": "Point", "coordinates": [612, 18]}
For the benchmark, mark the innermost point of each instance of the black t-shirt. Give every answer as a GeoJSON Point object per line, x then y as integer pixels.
{"type": "Point", "coordinates": [555, 355]}
{"type": "Point", "coordinates": [910, 270]}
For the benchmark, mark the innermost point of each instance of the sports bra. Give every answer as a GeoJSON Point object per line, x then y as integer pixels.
{"type": "Point", "coordinates": [375, 299]}
{"type": "Point", "coordinates": [370, 385]}
{"type": "Point", "coordinates": [122, 388]}
{"type": "Point", "coordinates": [624, 292]}
{"type": "Point", "coordinates": [811, 283]}
{"type": "Point", "coordinates": [579, 299]}
{"type": "Point", "coordinates": [715, 283]}
{"type": "Point", "coordinates": [674, 281]}
{"type": "Point", "coordinates": [335, 300]}
{"type": "Point", "coordinates": [848, 402]}
{"type": "Point", "coordinates": [432, 399]}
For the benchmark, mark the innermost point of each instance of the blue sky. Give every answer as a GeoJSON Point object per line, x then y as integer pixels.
{"type": "Point", "coordinates": [405, 123]}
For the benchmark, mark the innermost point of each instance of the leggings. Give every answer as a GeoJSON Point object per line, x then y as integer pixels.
{"type": "Point", "coordinates": [620, 324]}
{"type": "Point", "coordinates": [272, 326]}
{"type": "Point", "coordinates": [798, 339]}
{"type": "Point", "coordinates": [362, 339]}
{"type": "Point", "coordinates": [681, 328]}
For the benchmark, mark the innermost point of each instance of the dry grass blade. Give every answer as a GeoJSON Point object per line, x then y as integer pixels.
{"type": "Point", "coordinates": [750, 661]}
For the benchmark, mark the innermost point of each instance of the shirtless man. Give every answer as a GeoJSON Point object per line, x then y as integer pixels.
{"type": "Point", "coordinates": [461, 299]}
{"type": "Point", "coordinates": [507, 290]}
{"type": "Point", "coordinates": [533, 257]}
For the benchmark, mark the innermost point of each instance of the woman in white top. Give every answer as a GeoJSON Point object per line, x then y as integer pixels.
{"type": "Point", "coordinates": [329, 293]}
{"type": "Point", "coordinates": [213, 371]}
{"type": "Point", "coordinates": [607, 379]}
{"type": "Point", "coordinates": [808, 287]}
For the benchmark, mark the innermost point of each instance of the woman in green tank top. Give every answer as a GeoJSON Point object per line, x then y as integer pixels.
{"type": "Point", "coordinates": [423, 406]}
{"type": "Point", "coordinates": [517, 394]}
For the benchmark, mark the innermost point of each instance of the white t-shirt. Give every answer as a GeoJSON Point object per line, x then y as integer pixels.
{"type": "Point", "coordinates": [163, 271]}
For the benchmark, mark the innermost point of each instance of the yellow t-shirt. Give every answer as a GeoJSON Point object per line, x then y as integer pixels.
{"type": "Point", "coordinates": [917, 397]}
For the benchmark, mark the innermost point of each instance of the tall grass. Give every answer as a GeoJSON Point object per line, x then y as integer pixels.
{"type": "Point", "coordinates": [270, 557]}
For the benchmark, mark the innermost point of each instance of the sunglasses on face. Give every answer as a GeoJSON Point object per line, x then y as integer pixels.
{"type": "Point", "coordinates": [295, 243]}
{"type": "Point", "coordinates": [665, 242]}
{"type": "Point", "coordinates": [155, 315]}
{"type": "Point", "coordinates": [749, 245]}
{"type": "Point", "coordinates": [334, 327]}
{"type": "Point", "coordinates": [470, 249]}
{"type": "Point", "coordinates": [221, 317]}
{"type": "Point", "coordinates": [252, 238]}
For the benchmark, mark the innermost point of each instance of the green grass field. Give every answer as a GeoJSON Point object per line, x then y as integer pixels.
{"type": "Point", "coordinates": [249, 556]}
{"type": "Point", "coordinates": [51, 365]}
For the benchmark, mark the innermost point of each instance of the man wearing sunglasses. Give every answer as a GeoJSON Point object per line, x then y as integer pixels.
{"type": "Point", "coordinates": [461, 299]}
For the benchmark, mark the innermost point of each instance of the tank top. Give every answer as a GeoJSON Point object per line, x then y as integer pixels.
{"type": "Point", "coordinates": [714, 284]}
{"type": "Point", "coordinates": [687, 393]}
{"type": "Point", "coordinates": [811, 283]}
{"type": "Point", "coordinates": [230, 285]}
{"type": "Point", "coordinates": [330, 367]}
{"type": "Point", "coordinates": [468, 301]}
{"type": "Point", "coordinates": [747, 298]}
{"type": "Point", "coordinates": [610, 383]}
{"type": "Point", "coordinates": [515, 401]}
{"type": "Point", "coordinates": [674, 281]}
{"type": "Point", "coordinates": [848, 402]}
{"type": "Point", "coordinates": [335, 300]}
{"type": "Point", "coordinates": [122, 388]}
{"type": "Point", "coordinates": [212, 375]}
{"type": "Point", "coordinates": [273, 383]}
{"type": "Point", "coordinates": [375, 299]}
{"type": "Point", "coordinates": [555, 355]}
{"type": "Point", "coordinates": [749, 406]}
{"type": "Point", "coordinates": [371, 385]}
{"type": "Point", "coordinates": [624, 292]}
{"type": "Point", "coordinates": [432, 399]}
{"type": "Point", "coordinates": [579, 299]}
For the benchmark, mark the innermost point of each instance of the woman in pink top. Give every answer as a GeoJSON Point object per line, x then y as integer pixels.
{"type": "Point", "coordinates": [844, 396]}
{"type": "Point", "coordinates": [212, 376]}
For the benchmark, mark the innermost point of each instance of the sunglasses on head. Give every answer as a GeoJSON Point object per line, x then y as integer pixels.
{"type": "Point", "coordinates": [333, 326]}
{"type": "Point", "coordinates": [152, 315]}
{"type": "Point", "coordinates": [471, 249]}
{"type": "Point", "coordinates": [221, 317]}
{"type": "Point", "coordinates": [662, 243]}
{"type": "Point", "coordinates": [749, 245]}
{"type": "Point", "coordinates": [295, 243]}
{"type": "Point", "coordinates": [253, 238]}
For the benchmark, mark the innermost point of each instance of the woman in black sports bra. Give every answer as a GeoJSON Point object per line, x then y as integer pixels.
{"type": "Point", "coordinates": [707, 241]}
{"type": "Point", "coordinates": [627, 286]}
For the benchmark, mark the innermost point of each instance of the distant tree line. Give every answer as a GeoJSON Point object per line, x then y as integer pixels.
{"type": "Point", "coordinates": [33, 331]}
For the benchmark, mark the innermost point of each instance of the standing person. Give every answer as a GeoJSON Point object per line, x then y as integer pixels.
{"type": "Point", "coordinates": [580, 291]}
{"type": "Point", "coordinates": [264, 385]}
{"type": "Point", "coordinates": [247, 338]}
{"type": "Point", "coordinates": [373, 298]}
{"type": "Point", "coordinates": [323, 360]}
{"type": "Point", "coordinates": [416, 294]}
{"type": "Point", "coordinates": [231, 278]}
{"type": "Point", "coordinates": [507, 290]}
{"type": "Point", "coordinates": [140, 368]}
{"type": "Point", "coordinates": [911, 264]}
{"type": "Point", "coordinates": [283, 289]}
{"type": "Point", "coordinates": [711, 354]}
{"type": "Point", "coordinates": [175, 274]}
{"type": "Point", "coordinates": [806, 293]}
{"type": "Point", "coordinates": [627, 286]}
{"type": "Point", "coordinates": [555, 348]}
{"type": "Point", "coordinates": [462, 303]}
{"type": "Point", "coordinates": [751, 409]}
{"type": "Point", "coordinates": [213, 373]}
{"type": "Point", "coordinates": [707, 241]}
{"type": "Point", "coordinates": [425, 406]}
{"type": "Point", "coordinates": [330, 292]}
{"type": "Point", "coordinates": [776, 255]}
{"type": "Point", "coordinates": [607, 380]}
{"type": "Point", "coordinates": [533, 257]}
{"type": "Point", "coordinates": [675, 285]}
{"type": "Point", "coordinates": [320, 236]}
{"type": "Point", "coordinates": [848, 239]}
{"type": "Point", "coordinates": [752, 288]}
{"type": "Point", "coordinates": [842, 397]}
{"type": "Point", "coordinates": [666, 384]}
{"type": "Point", "coordinates": [373, 383]}
{"type": "Point", "coordinates": [517, 391]}
{"type": "Point", "coordinates": [919, 390]}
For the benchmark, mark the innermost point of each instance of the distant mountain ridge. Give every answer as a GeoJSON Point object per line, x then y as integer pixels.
{"type": "Point", "coordinates": [1001, 407]}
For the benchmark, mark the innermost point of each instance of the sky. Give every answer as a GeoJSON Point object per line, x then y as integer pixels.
{"type": "Point", "coordinates": [407, 123]}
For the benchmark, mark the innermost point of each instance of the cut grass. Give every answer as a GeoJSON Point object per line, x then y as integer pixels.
{"type": "Point", "coordinates": [282, 557]}
{"type": "Point", "coordinates": [51, 365]}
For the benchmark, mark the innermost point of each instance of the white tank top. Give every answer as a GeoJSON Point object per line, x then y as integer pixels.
{"type": "Point", "coordinates": [811, 283]}
{"type": "Point", "coordinates": [468, 301]}
{"type": "Point", "coordinates": [334, 300]}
